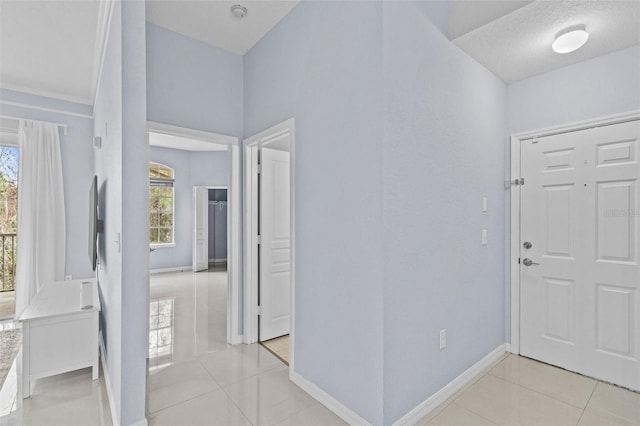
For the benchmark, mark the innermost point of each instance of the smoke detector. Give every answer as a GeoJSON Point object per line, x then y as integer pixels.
{"type": "Point", "coordinates": [238, 11]}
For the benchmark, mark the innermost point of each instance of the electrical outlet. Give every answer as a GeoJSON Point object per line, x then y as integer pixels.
{"type": "Point", "coordinates": [443, 338]}
{"type": "Point", "coordinates": [68, 277]}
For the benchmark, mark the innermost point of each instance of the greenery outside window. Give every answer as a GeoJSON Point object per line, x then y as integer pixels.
{"type": "Point", "coordinates": [161, 200]}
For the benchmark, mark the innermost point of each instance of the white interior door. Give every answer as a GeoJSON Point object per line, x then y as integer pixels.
{"type": "Point", "coordinates": [200, 229]}
{"type": "Point", "coordinates": [275, 255]}
{"type": "Point", "coordinates": [580, 276]}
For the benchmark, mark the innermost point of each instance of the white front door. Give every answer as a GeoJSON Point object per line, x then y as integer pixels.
{"type": "Point", "coordinates": [275, 254]}
{"type": "Point", "coordinates": [200, 229]}
{"type": "Point", "coordinates": [579, 270]}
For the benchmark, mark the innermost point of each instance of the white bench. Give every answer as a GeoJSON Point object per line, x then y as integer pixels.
{"type": "Point", "coordinates": [58, 336]}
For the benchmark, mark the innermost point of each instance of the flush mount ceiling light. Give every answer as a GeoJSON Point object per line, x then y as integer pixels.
{"type": "Point", "coordinates": [570, 39]}
{"type": "Point", "coordinates": [238, 11]}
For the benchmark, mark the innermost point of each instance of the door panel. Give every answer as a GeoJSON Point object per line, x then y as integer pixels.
{"type": "Point", "coordinates": [201, 229]}
{"type": "Point", "coordinates": [579, 209]}
{"type": "Point", "coordinates": [275, 256]}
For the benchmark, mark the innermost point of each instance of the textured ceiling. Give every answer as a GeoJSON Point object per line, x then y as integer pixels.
{"type": "Point", "coordinates": [467, 15]}
{"type": "Point", "coordinates": [518, 45]}
{"type": "Point", "coordinates": [50, 48]}
{"type": "Point", "coordinates": [213, 23]}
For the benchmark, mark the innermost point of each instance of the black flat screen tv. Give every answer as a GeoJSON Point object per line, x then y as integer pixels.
{"type": "Point", "coordinates": [95, 225]}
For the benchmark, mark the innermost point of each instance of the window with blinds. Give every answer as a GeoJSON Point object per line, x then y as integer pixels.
{"type": "Point", "coordinates": [161, 198]}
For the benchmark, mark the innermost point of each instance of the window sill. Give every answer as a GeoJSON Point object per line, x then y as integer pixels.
{"type": "Point", "coordinates": [157, 246]}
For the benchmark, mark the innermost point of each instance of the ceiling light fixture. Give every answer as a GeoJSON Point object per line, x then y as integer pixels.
{"type": "Point", "coordinates": [238, 11]}
{"type": "Point", "coordinates": [570, 39]}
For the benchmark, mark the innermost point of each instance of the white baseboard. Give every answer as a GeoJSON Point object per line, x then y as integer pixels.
{"type": "Point", "coordinates": [427, 406]}
{"type": "Point", "coordinates": [141, 422]}
{"type": "Point", "coordinates": [236, 340]}
{"type": "Point", "coordinates": [173, 269]}
{"type": "Point", "coordinates": [327, 400]}
{"type": "Point", "coordinates": [107, 382]}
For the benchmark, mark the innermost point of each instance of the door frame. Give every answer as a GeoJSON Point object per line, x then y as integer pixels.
{"type": "Point", "coordinates": [234, 335]}
{"type": "Point", "coordinates": [513, 231]}
{"type": "Point", "coordinates": [250, 148]}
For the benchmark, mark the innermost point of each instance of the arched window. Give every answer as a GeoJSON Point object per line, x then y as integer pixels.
{"type": "Point", "coordinates": [161, 179]}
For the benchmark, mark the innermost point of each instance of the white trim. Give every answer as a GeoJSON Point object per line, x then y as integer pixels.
{"type": "Point", "coordinates": [18, 119]}
{"type": "Point", "coordinates": [250, 325]}
{"type": "Point", "coordinates": [46, 93]}
{"type": "Point", "coordinates": [161, 245]}
{"type": "Point", "coordinates": [100, 47]}
{"type": "Point", "coordinates": [428, 405]}
{"type": "Point", "coordinates": [250, 147]}
{"type": "Point", "coordinates": [45, 109]}
{"type": "Point", "coordinates": [327, 400]}
{"type": "Point", "coordinates": [580, 125]}
{"type": "Point", "coordinates": [514, 231]}
{"type": "Point", "coordinates": [107, 382]}
{"type": "Point", "coordinates": [234, 244]}
{"type": "Point", "coordinates": [183, 132]}
{"type": "Point", "coordinates": [141, 422]}
{"type": "Point", "coordinates": [514, 248]}
{"type": "Point", "coordinates": [172, 269]}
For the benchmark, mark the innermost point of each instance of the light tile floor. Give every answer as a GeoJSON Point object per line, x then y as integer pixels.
{"type": "Point", "coordinates": [205, 381]}
{"type": "Point", "coordinates": [279, 346]}
{"type": "Point", "coordinates": [520, 391]}
{"type": "Point", "coordinates": [66, 399]}
{"type": "Point", "coordinates": [197, 379]}
{"type": "Point", "coordinates": [200, 379]}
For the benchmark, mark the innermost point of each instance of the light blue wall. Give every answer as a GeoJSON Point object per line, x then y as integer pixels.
{"type": "Point", "coordinates": [599, 87]}
{"type": "Point", "coordinates": [135, 218]}
{"type": "Point", "coordinates": [192, 84]}
{"type": "Point", "coordinates": [191, 169]}
{"type": "Point", "coordinates": [108, 125]}
{"type": "Point", "coordinates": [122, 169]}
{"type": "Point", "coordinates": [605, 85]}
{"type": "Point", "coordinates": [76, 149]}
{"type": "Point", "coordinates": [444, 133]}
{"type": "Point", "coordinates": [209, 168]}
{"type": "Point", "coordinates": [322, 65]}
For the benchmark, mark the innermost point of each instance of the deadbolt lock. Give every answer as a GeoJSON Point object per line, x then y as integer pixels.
{"type": "Point", "coordinates": [527, 245]}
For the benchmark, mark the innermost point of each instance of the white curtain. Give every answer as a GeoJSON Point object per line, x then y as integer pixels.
{"type": "Point", "coordinates": [41, 217]}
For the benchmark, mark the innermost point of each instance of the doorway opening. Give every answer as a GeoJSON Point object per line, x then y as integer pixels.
{"type": "Point", "coordinates": [575, 271]}
{"type": "Point", "coordinates": [210, 227]}
{"type": "Point", "coordinates": [195, 161]}
{"type": "Point", "coordinates": [269, 161]}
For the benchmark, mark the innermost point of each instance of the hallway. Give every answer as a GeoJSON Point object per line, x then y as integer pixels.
{"type": "Point", "coordinates": [196, 378]}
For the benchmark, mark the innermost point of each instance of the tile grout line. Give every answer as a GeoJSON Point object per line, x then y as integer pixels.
{"type": "Point", "coordinates": [550, 396]}
{"type": "Point", "coordinates": [539, 393]}
{"type": "Point", "coordinates": [453, 398]}
{"type": "Point", "coordinates": [588, 400]}
{"type": "Point", "coordinates": [151, 413]}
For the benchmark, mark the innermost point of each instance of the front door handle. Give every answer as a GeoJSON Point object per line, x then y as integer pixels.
{"type": "Point", "coordinates": [529, 262]}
